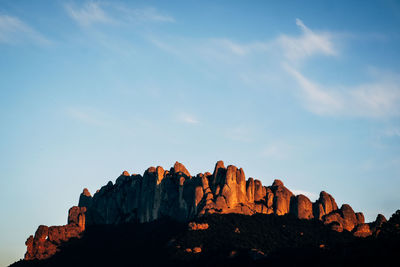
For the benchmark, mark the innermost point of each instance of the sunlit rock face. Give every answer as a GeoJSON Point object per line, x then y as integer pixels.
{"type": "Point", "coordinates": [324, 205]}
{"type": "Point", "coordinates": [46, 241]}
{"type": "Point", "coordinates": [176, 194]}
{"type": "Point", "coordinates": [302, 207]}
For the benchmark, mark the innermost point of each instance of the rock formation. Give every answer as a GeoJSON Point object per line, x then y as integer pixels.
{"type": "Point", "coordinates": [377, 224]}
{"type": "Point", "coordinates": [46, 241]}
{"type": "Point", "coordinates": [178, 195]}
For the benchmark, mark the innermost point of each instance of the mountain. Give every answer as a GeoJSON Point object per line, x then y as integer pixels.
{"type": "Point", "coordinates": [173, 217]}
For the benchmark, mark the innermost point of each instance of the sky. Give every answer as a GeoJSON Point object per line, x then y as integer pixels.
{"type": "Point", "coordinates": [306, 92]}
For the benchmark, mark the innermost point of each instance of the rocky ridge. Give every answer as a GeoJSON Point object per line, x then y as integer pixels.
{"type": "Point", "coordinates": [177, 195]}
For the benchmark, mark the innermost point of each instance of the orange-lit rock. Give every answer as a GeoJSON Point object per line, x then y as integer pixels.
{"type": "Point", "coordinates": [178, 167]}
{"type": "Point", "coordinates": [303, 207]}
{"type": "Point", "coordinates": [282, 198]}
{"type": "Point", "coordinates": [178, 195]}
{"type": "Point", "coordinates": [198, 226]}
{"type": "Point", "coordinates": [46, 241]}
{"type": "Point", "coordinates": [362, 230]}
{"type": "Point", "coordinates": [349, 217]}
{"type": "Point", "coordinates": [345, 216]}
{"type": "Point", "coordinates": [324, 205]}
{"type": "Point", "coordinates": [196, 250]}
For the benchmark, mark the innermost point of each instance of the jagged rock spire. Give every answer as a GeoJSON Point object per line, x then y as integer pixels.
{"type": "Point", "coordinates": [178, 195]}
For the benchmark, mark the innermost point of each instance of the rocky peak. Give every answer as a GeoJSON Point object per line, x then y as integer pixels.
{"type": "Point", "coordinates": [324, 205]}
{"type": "Point", "coordinates": [85, 199]}
{"type": "Point", "coordinates": [47, 240]}
{"type": "Point", "coordinates": [86, 192]}
{"type": "Point", "coordinates": [377, 224]}
{"type": "Point", "coordinates": [178, 195]}
{"type": "Point", "coordinates": [277, 183]}
{"type": "Point", "coordinates": [180, 168]}
{"type": "Point", "coordinates": [218, 175]}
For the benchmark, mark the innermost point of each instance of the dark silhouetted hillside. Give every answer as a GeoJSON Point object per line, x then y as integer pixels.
{"type": "Point", "coordinates": [230, 239]}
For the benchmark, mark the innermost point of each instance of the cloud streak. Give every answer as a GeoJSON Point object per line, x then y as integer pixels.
{"type": "Point", "coordinates": [88, 14]}
{"type": "Point", "coordinates": [13, 30]}
{"type": "Point", "coordinates": [308, 44]}
{"type": "Point", "coordinates": [379, 98]}
{"type": "Point", "coordinates": [91, 13]}
{"type": "Point", "coordinates": [188, 118]}
{"type": "Point", "coordinates": [146, 14]}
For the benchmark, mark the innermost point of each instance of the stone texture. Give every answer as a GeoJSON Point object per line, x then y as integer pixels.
{"type": "Point", "coordinates": [362, 230]}
{"type": "Point", "coordinates": [349, 217]}
{"type": "Point", "coordinates": [180, 168]}
{"type": "Point", "coordinates": [178, 195]}
{"type": "Point", "coordinates": [324, 205]}
{"type": "Point", "coordinates": [282, 198]}
{"type": "Point", "coordinates": [345, 216]}
{"type": "Point", "coordinates": [197, 226]}
{"type": "Point", "coordinates": [47, 240]}
{"type": "Point", "coordinates": [250, 190]}
{"type": "Point", "coordinates": [303, 207]}
{"type": "Point", "coordinates": [360, 218]}
{"type": "Point", "coordinates": [196, 250]}
{"type": "Point", "coordinates": [76, 216]}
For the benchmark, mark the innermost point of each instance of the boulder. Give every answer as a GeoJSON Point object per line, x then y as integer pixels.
{"type": "Point", "coordinates": [362, 230]}
{"type": "Point", "coordinates": [345, 216]}
{"type": "Point", "coordinates": [282, 198]}
{"type": "Point", "coordinates": [303, 207]}
{"type": "Point", "coordinates": [349, 217]}
{"type": "Point", "coordinates": [324, 205]}
{"type": "Point", "coordinates": [193, 226]}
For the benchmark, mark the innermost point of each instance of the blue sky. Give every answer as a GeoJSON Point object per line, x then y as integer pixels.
{"type": "Point", "coordinates": [308, 93]}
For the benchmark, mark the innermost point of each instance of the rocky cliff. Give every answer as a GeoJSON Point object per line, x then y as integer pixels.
{"type": "Point", "coordinates": [178, 195]}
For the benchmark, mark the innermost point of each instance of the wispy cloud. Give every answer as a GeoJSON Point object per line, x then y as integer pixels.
{"type": "Point", "coordinates": [239, 49]}
{"type": "Point", "coordinates": [283, 48]}
{"type": "Point", "coordinates": [379, 98]}
{"type": "Point", "coordinates": [91, 13]}
{"type": "Point", "coordinates": [88, 14]}
{"type": "Point", "coordinates": [188, 118]}
{"type": "Point", "coordinates": [316, 99]}
{"type": "Point", "coordinates": [392, 132]}
{"type": "Point", "coordinates": [308, 44]}
{"type": "Point", "coordinates": [145, 14]}
{"type": "Point", "coordinates": [13, 30]}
